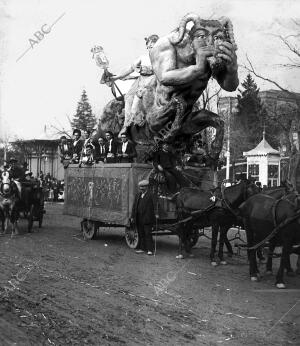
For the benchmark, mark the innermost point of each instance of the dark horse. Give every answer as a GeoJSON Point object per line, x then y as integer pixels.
{"type": "Point", "coordinates": [267, 218]}
{"type": "Point", "coordinates": [203, 183]}
{"type": "Point", "coordinates": [285, 192]}
{"type": "Point", "coordinates": [9, 198]}
{"type": "Point", "coordinates": [199, 209]}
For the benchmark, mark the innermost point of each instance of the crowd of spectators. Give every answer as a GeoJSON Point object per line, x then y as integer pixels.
{"type": "Point", "coordinates": [53, 188]}
{"type": "Point", "coordinates": [87, 150]}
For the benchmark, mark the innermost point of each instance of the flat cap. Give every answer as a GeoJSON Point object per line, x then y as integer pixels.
{"type": "Point", "coordinates": [144, 183]}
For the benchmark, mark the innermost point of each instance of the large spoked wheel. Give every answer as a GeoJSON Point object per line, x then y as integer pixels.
{"type": "Point", "coordinates": [30, 217]}
{"type": "Point", "coordinates": [194, 237]}
{"type": "Point", "coordinates": [89, 229]}
{"type": "Point", "coordinates": [132, 237]}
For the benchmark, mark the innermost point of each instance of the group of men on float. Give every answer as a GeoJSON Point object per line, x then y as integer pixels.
{"type": "Point", "coordinates": [88, 150]}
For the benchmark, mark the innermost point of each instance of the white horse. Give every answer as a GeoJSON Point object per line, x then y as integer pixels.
{"type": "Point", "coordinates": [8, 203]}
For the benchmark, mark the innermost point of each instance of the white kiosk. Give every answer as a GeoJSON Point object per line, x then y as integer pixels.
{"type": "Point", "coordinates": [263, 164]}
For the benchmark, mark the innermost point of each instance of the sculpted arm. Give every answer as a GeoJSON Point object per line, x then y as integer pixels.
{"type": "Point", "coordinates": [164, 62]}
{"type": "Point", "coordinates": [129, 70]}
{"type": "Point", "coordinates": [228, 79]}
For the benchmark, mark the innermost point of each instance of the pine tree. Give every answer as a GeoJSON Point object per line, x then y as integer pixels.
{"type": "Point", "coordinates": [251, 115]}
{"type": "Point", "coordinates": [84, 119]}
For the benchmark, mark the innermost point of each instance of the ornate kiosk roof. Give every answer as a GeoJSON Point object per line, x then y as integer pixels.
{"type": "Point", "coordinates": [262, 149]}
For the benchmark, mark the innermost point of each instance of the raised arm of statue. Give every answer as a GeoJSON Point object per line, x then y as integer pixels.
{"type": "Point", "coordinates": [129, 70]}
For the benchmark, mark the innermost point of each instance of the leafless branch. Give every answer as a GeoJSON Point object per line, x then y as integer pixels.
{"type": "Point", "coordinates": [60, 132]}
{"type": "Point", "coordinates": [252, 70]}
{"type": "Point", "coordinates": [292, 48]}
{"type": "Point", "coordinates": [288, 65]}
{"type": "Point", "coordinates": [296, 22]}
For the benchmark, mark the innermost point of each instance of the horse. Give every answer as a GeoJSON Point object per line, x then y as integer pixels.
{"type": "Point", "coordinates": [200, 209]}
{"type": "Point", "coordinates": [203, 181]}
{"type": "Point", "coordinates": [9, 197]}
{"type": "Point", "coordinates": [288, 193]}
{"type": "Point", "coordinates": [267, 218]}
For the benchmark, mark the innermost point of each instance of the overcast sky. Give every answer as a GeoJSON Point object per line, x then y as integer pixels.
{"type": "Point", "coordinates": [43, 86]}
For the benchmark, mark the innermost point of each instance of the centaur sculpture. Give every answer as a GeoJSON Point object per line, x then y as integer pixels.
{"type": "Point", "coordinates": [183, 62]}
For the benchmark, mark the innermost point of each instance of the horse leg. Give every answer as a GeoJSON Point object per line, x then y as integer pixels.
{"type": "Point", "coordinates": [5, 224]}
{"type": "Point", "coordinates": [180, 236]}
{"type": "Point", "coordinates": [187, 242]}
{"type": "Point", "coordinates": [6, 219]}
{"type": "Point", "coordinates": [214, 240]}
{"type": "Point", "coordinates": [14, 219]}
{"type": "Point", "coordinates": [227, 243]}
{"type": "Point", "coordinates": [253, 270]}
{"type": "Point", "coordinates": [298, 265]}
{"type": "Point", "coordinates": [2, 218]}
{"type": "Point", "coordinates": [223, 233]}
{"type": "Point", "coordinates": [260, 255]}
{"type": "Point", "coordinates": [286, 250]}
{"type": "Point", "coordinates": [270, 258]}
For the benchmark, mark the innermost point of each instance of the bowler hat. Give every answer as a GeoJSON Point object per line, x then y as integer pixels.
{"type": "Point", "coordinates": [13, 159]}
{"type": "Point", "coordinates": [76, 131]}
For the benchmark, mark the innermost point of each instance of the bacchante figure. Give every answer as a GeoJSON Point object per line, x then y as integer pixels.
{"type": "Point", "coordinates": [133, 107]}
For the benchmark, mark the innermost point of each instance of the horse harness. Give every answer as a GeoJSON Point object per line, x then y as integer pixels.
{"type": "Point", "coordinates": [228, 206]}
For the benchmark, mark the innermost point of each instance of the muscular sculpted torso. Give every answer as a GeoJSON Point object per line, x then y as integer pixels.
{"type": "Point", "coordinates": [183, 62]}
{"type": "Point", "coordinates": [177, 72]}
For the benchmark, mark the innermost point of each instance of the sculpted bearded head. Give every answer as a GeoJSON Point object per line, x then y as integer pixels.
{"type": "Point", "coordinates": [207, 33]}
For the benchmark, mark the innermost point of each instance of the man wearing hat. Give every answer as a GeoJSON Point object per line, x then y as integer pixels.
{"type": "Point", "coordinates": [28, 176]}
{"type": "Point", "coordinates": [76, 146]}
{"type": "Point", "coordinates": [165, 161]}
{"type": "Point", "coordinates": [143, 216]}
{"type": "Point", "coordinates": [16, 172]}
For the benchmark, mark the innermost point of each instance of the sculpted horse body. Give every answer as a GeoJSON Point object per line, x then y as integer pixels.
{"type": "Point", "coordinates": [9, 198]}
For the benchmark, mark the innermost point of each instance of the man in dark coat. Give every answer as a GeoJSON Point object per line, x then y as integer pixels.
{"type": "Point", "coordinates": [126, 150]}
{"type": "Point", "coordinates": [111, 148]}
{"type": "Point", "coordinates": [76, 146]}
{"type": "Point", "coordinates": [143, 216]}
{"type": "Point", "coordinates": [64, 149]}
{"type": "Point", "coordinates": [15, 170]}
{"type": "Point", "coordinates": [165, 161]}
{"type": "Point", "coordinates": [102, 154]}
{"type": "Point", "coordinates": [17, 173]}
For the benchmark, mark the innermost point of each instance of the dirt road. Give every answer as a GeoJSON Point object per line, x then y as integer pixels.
{"type": "Point", "coordinates": [57, 289]}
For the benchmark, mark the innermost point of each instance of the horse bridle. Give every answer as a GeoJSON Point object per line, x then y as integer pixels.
{"type": "Point", "coordinates": [3, 191]}
{"type": "Point", "coordinates": [227, 204]}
